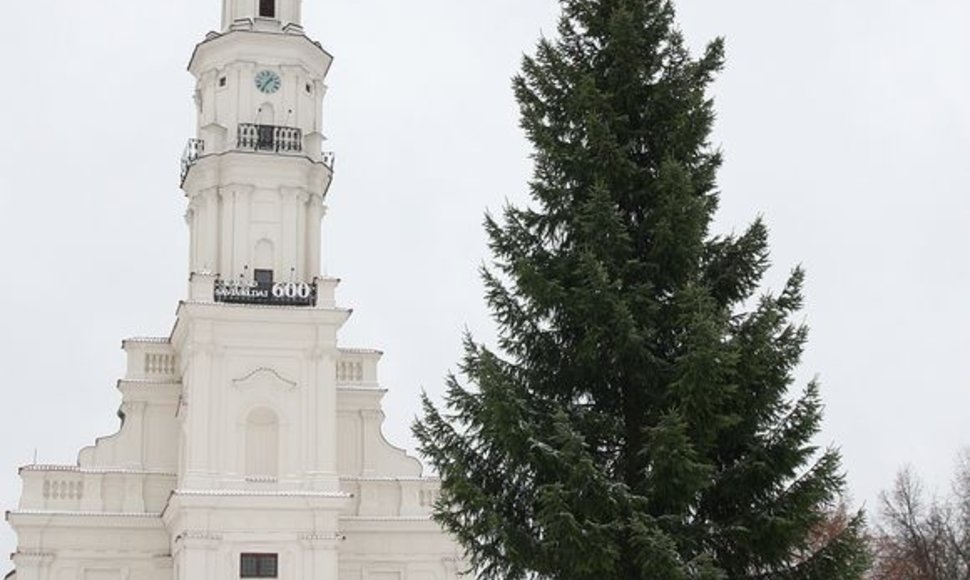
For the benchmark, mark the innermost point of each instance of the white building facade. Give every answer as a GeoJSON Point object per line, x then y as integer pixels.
{"type": "Point", "coordinates": [251, 442]}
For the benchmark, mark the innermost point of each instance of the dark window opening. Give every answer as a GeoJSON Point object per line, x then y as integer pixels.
{"type": "Point", "coordinates": [263, 277]}
{"type": "Point", "coordinates": [265, 137]}
{"type": "Point", "coordinates": [222, 81]}
{"type": "Point", "coordinates": [267, 8]}
{"type": "Point", "coordinates": [309, 88]}
{"type": "Point", "coordinates": [258, 565]}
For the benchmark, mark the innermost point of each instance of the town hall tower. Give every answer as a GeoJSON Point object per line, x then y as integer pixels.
{"type": "Point", "coordinates": [250, 444]}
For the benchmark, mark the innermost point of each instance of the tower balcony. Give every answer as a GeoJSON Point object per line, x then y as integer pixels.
{"type": "Point", "coordinates": [194, 149]}
{"type": "Point", "coordinates": [270, 138]}
{"type": "Point", "coordinates": [257, 138]}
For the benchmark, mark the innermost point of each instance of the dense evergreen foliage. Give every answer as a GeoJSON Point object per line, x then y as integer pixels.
{"type": "Point", "coordinates": [638, 420]}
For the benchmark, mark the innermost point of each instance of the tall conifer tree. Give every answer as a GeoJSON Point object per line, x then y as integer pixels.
{"type": "Point", "coordinates": [637, 421]}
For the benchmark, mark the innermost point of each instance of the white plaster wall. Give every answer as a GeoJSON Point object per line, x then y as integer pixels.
{"type": "Point", "coordinates": [237, 359]}
{"type": "Point", "coordinates": [238, 200]}
{"type": "Point", "coordinates": [225, 68]}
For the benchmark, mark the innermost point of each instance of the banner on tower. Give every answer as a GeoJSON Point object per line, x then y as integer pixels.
{"type": "Point", "coordinates": [275, 294]}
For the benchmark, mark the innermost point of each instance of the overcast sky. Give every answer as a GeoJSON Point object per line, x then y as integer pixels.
{"type": "Point", "coordinates": [845, 124]}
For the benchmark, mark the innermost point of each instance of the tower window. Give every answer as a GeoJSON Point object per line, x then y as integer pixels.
{"type": "Point", "coordinates": [263, 277]}
{"type": "Point", "coordinates": [267, 8]}
{"type": "Point", "coordinates": [222, 81]}
{"type": "Point", "coordinates": [258, 565]}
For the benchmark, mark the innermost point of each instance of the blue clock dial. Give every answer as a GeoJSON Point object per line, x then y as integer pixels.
{"type": "Point", "coordinates": [268, 81]}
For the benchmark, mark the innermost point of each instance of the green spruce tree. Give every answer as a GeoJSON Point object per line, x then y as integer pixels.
{"type": "Point", "coordinates": [637, 421]}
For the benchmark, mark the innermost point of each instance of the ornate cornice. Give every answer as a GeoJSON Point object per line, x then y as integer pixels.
{"type": "Point", "coordinates": [80, 514]}
{"type": "Point", "coordinates": [275, 307]}
{"type": "Point", "coordinates": [95, 470]}
{"type": "Point", "coordinates": [259, 493]}
{"type": "Point", "coordinates": [361, 351]}
{"type": "Point", "coordinates": [319, 537]}
{"type": "Point", "coordinates": [426, 518]}
{"type": "Point", "coordinates": [148, 340]}
{"type": "Point", "coordinates": [390, 478]}
{"type": "Point", "coordinates": [198, 535]}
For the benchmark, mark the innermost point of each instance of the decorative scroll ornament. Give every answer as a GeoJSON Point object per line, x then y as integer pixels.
{"type": "Point", "coordinates": [264, 376]}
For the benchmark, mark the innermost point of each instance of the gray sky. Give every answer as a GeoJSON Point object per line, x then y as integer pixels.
{"type": "Point", "coordinates": [846, 124]}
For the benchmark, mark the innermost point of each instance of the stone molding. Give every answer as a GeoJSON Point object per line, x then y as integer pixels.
{"type": "Point", "coordinates": [32, 557]}
{"type": "Point", "coordinates": [96, 470]}
{"type": "Point", "coordinates": [251, 380]}
{"type": "Point", "coordinates": [260, 493]}
{"type": "Point", "coordinates": [85, 514]}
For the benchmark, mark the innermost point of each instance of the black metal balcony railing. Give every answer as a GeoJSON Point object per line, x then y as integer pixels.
{"type": "Point", "coordinates": [194, 149]}
{"type": "Point", "coordinates": [253, 137]}
{"type": "Point", "coordinates": [270, 138]}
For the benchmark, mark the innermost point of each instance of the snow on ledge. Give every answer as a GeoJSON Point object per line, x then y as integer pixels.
{"type": "Point", "coordinates": [95, 470]}
{"type": "Point", "coordinates": [259, 493]}
{"type": "Point", "coordinates": [81, 514]}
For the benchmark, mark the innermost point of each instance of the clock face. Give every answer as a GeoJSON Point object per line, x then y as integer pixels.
{"type": "Point", "coordinates": [268, 81]}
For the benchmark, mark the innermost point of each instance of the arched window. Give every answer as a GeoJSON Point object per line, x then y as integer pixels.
{"type": "Point", "coordinates": [262, 444]}
{"type": "Point", "coordinates": [264, 257]}
{"type": "Point", "coordinates": [267, 8]}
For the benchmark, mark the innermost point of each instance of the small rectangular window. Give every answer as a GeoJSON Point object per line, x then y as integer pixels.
{"type": "Point", "coordinates": [267, 8]}
{"type": "Point", "coordinates": [222, 81]}
{"type": "Point", "coordinates": [263, 277]}
{"type": "Point", "coordinates": [258, 566]}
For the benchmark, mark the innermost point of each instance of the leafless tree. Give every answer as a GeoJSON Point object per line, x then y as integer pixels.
{"type": "Point", "coordinates": [922, 536]}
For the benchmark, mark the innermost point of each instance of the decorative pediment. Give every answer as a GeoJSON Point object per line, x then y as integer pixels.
{"type": "Point", "coordinates": [264, 378]}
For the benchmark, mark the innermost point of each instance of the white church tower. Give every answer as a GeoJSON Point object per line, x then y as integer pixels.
{"type": "Point", "coordinates": [250, 444]}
